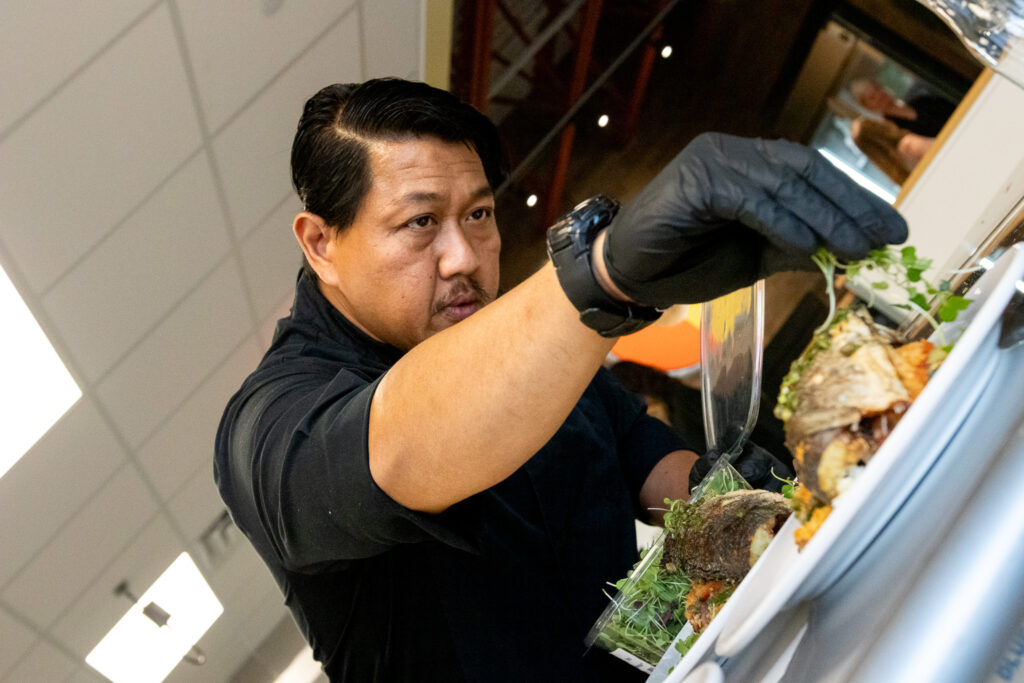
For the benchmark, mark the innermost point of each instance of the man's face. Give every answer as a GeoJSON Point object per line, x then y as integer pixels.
{"type": "Point", "coordinates": [875, 97]}
{"type": "Point", "coordinates": [422, 253]}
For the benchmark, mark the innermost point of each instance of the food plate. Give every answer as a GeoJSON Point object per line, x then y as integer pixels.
{"type": "Point", "coordinates": [783, 576]}
{"type": "Point", "coordinates": [708, 672]}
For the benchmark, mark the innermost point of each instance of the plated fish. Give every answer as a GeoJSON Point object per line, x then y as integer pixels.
{"type": "Point", "coordinates": [716, 541]}
{"type": "Point", "coordinates": [841, 400]}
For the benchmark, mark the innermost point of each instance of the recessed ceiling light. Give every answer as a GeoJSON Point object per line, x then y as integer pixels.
{"type": "Point", "coordinates": [37, 388]}
{"type": "Point", "coordinates": [602, 120]}
{"type": "Point", "coordinates": [666, 51]}
{"type": "Point", "coordinates": [137, 649]}
{"type": "Point", "coordinates": [531, 200]}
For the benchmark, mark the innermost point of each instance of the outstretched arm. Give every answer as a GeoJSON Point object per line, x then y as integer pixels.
{"type": "Point", "coordinates": [465, 408]}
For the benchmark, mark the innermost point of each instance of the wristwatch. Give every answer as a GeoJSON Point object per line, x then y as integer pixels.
{"type": "Point", "coordinates": [569, 246]}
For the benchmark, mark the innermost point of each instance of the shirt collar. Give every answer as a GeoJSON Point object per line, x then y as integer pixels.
{"type": "Point", "coordinates": [313, 314]}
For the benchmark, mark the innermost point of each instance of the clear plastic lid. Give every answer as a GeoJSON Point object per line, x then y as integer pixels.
{"type": "Point", "coordinates": [731, 348]}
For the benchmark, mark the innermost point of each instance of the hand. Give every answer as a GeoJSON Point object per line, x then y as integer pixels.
{"type": "Point", "coordinates": [761, 469]}
{"type": "Point", "coordinates": [729, 211]}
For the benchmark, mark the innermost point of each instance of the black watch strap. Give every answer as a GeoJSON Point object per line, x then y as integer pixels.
{"type": "Point", "coordinates": [569, 246]}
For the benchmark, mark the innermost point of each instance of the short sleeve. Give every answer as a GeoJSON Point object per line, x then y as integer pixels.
{"type": "Point", "coordinates": [642, 440]}
{"type": "Point", "coordinates": [643, 446]}
{"type": "Point", "coordinates": [293, 467]}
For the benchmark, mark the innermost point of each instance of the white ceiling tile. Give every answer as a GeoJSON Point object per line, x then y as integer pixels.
{"type": "Point", "coordinates": [43, 663]}
{"type": "Point", "coordinates": [254, 150]}
{"type": "Point", "coordinates": [184, 443]}
{"type": "Point", "coordinates": [392, 28]}
{"type": "Point", "coordinates": [73, 31]}
{"type": "Point", "coordinates": [15, 640]}
{"type": "Point", "coordinates": [145, 266]}
{"type": "Point", "coordinates": [97, 609]}
{"type": "Point", "coordinates": [80, 551]}
{"type": "Point", "coordinates": [261, 621]}
{"type": "Point", "coordinates": [239, 579]}
{"type": "Point", "coordinates": [238, 46]}
{"type": "Point", "coordinates": [86, 674]}
{"type": "Point", "coordinates": [242, 584]}
{"type": "Point", "coordinates": [272, 258]}
{"type": "Point", "coordinates": [198, 504]}
{"type": "Point", "coordinates": [223, 657]}
{"type": "Point", "coordinates": [277, 650]}
{"type": "Point", "coordinates": [52, 481]}
{"type": "Point", "coordinates": [265, 335]}
{"type": "Point", "coordinates": [94, 151]}
{"type": "Point", "coordinates": [156, 376]}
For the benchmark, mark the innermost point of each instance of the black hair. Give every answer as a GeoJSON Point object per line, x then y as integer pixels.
{"type": "Point", "coordinates": [330, 157]}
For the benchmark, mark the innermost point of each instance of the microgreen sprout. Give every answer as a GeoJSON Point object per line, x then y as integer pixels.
{"type": "Point", "coordinates": [787, 484]}
{"type": "Point", "coordinates": [902, 268]}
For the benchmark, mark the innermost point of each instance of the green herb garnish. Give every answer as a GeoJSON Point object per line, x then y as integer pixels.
{"type": "Point", "coordinates": [902, 268]}
{"type": "Point", "coordinates": [683, 646]}
{"type": "Point", "coordinates": [788, 485]}
{"type": "Point", "coordinates": [649, 610]}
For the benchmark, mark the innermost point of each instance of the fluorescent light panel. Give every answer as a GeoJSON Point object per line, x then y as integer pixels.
{"type": "Point", "coordinates": [859, 177]}
{"type": "Point", "coordinates": [36, 388]}
{"type": "Point", "coordinates": [136, 650]}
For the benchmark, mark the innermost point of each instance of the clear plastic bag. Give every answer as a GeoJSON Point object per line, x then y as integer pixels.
{"type": "Point", "coordinates": [647, 612]}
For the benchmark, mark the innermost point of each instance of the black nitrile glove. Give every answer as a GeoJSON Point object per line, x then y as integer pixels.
{"type": "Point", "coordinates": [728, 211]}
{"type": "Point", "coordinates": [761, 469]}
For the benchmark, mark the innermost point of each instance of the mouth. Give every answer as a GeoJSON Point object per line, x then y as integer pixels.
{"type": "Point", "coordinates": [461, 308]}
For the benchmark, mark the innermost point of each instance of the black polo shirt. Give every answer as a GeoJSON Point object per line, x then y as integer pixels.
{"type": "Point", "coordinates": [500, 587]}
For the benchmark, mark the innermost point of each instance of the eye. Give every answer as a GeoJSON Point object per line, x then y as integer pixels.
{"type": "Point", "coordinates": [481, 213]}
{"type": "Point", "coordinates": [420, 222]}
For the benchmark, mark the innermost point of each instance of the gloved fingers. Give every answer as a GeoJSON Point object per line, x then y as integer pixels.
{"type": "Point", "coordinates": [876, 218]}
{"type": "Point", "coordinates": [765, 190]}
{"type": "Point", "coordinates": [761, 185]}
{"type": "Point", "coordinates": [775, 260]}
{"type": "Point", "coordinates": [762, 212]}
{"type": "Point", "coordinates": [755, 471]}
{"type": "Point", "coordinates": [873, 218]}
{"type": "Point", "coordinates": [835, 230]}
{"type": "Point", "coordinates": [712, 455]}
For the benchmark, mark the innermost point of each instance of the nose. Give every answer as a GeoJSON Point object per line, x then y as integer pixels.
{"type": "Point", "coordinates": [457, 254]}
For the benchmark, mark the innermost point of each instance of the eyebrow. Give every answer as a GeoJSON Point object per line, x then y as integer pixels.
{"type": "Point", "coordinates": [484, 191]}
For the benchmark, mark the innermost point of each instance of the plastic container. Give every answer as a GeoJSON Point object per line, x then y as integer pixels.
{"type": "Point", "coordinates": [731, 351]}
{"type": "Point", "coordinates": [646, 614]}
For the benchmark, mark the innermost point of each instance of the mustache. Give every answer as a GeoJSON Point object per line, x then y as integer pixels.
{"type": "Point", "coordinates": [461, 288]}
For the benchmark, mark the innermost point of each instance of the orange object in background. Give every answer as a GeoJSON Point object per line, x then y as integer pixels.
{"type": "Point", "coordinates": [672, 348]}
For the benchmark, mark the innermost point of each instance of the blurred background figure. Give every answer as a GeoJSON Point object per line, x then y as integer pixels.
{"type": "Point", "coordinates": [922, 112]}
{"type": "Point", "coordinates": [894, 150]}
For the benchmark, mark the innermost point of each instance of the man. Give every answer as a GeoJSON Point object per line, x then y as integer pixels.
{"type": "Point", "coordinates": [441, 481]}
{"type": "Point", "coordinates": [923, 113]}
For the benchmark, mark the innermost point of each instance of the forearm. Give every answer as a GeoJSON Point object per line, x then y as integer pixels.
{"type": "Point", "coordinates": [670, 479]}
{"type": "Point", "coordinates": [467, 407]}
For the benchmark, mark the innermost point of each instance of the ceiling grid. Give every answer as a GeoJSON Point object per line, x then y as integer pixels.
{"type": "Point", "coordinates": [145, 219]}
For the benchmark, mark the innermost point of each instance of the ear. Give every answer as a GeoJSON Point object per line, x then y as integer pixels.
{"type": "Point", "coordinates": [314, 237]}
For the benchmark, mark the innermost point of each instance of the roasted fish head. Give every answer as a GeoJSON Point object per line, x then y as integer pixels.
{"type": "Point", "coordinates": [843, 397]}
{"type": "Point", "coordinates": [720, 538]}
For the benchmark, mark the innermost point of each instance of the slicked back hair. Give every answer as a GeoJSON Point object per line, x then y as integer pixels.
{"type": "Point", "coordinates": [330, 155]}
